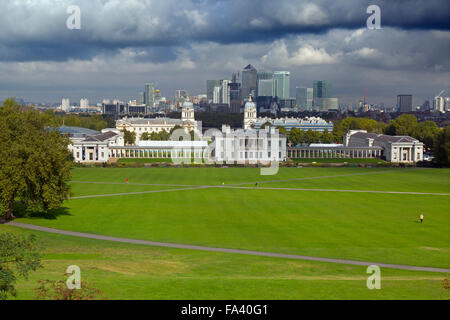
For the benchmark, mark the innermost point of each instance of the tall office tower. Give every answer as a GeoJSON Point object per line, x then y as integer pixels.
{"type": "Point", "coordinates": [149, 95]}
{"type": "Point", "coordinates": [249, 81]}
{"type": "Point", "coordinates": [141, 100]}
{"type": "Point", "coordinates": [65, 105]}
{"type": "Point", "coordinates": [216, 94]}
{"type": "Point", "coordinates": [235, 97]}
{"type": "Point", "coordinates": [210, 85]}
{"type": "Point", "coordinates": [84, 103]}
{"type": "Point", "coordinates": [225, 92]}
{"type": "Point", "coordinates": [282, 84]}
{"type": "Point", "coordinates": [264, 75]}
{"type": "Point", "coordinates": [439, 104]}
{"type": "Point", "coordinates": [404, 103]}
{"type": "Point", "coordinates": [265, 88]}
{"type": "Point", "coordinates": [322, 89]}
{"type": "Point", "coordinates": [304, 98]}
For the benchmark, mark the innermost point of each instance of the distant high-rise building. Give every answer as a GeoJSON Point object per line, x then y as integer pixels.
{"type": "Point", "coordinates": [326, 104]}
{"type": "Point", "coordinates": [225, 92]}
{"type": "Point", "coordinates": [282, 84]}
{"type": "Point", "coordinates": [264, 75]}
{"type": "Point", "coordinates": [322, 89]}
{"type": "Point", "coordinates": [404, 103]}
{"type": "Point", "coordinates": [141, 98]}
{"type": "Point", "coordinates": [304, 98]}
{"type": "Point", "coordinates": [216, 94]}
{"type": "Point", "coordinates": [210, 85]}
{"type": "Point", "coordinates": [439, 104]}
{"type": "Point", "coordinates": [265, 88]}
{"type": "Point", "coordinates": [84, 103]}
{"type": "Point", "coordinates": [65, 105]}
{"type": "Point", "coordinates": [235, 97]}
{"type": "Point", "coordinates": [149, 95]}
{"type": "Point", "coordinates": [249, 77]}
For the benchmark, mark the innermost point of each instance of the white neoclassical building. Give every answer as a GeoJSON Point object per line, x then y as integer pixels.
{"type": "Point", "coordinates": [400, 149]}
{"type": "Point", "coordinates": [94, 148]}
{"type": "Point", "coordinates": [141, 125]}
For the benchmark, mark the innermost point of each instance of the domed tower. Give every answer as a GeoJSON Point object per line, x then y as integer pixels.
{"type": "Point", "coordinates": [250, 115]}
{"type": "Point", "coordinates": [187, 112]}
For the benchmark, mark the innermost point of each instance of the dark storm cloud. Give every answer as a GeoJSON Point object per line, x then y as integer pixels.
{"type": "Point", "coordinates": [35, 30]}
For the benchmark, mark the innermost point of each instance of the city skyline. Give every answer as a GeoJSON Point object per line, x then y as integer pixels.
{"type": "Point", "coordinates": [182, 48]}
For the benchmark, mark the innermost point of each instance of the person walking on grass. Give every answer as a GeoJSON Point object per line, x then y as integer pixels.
{"type": "Point", "coordinates": [421, 218]}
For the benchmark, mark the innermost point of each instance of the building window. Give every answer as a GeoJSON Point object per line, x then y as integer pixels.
{"type": "Point", "coordinates": [102, 154]}
{"type": "Point", "coordinates": [78, 155]}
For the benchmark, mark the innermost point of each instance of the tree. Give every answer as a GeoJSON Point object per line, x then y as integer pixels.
{"type": "Point", "coordinates": [404, 125]}
{"type": "Point", "coordinates": [282, 130]}
{"type": "Point", "coordinates": [441, 147]}
{"type": "Point", "coordinates": [326, 137]}
{"type": "Point", "coordinates": [145, 136]}
{"type": "Point", "coordinates": [57, 290]}
{"type": "Point", "coordinates": [129, 137]}
{"type": "Point", "coordinates": [296, 136]}
{"type": "Point", "coordinates": [19, 255]}
{"type": "Point", "coordinates": [35, 161]}
{"type": "Point", "coordinates": [426, 132]}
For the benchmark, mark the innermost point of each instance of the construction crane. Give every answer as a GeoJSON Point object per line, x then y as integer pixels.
{"type": "Point", "coordinates": [440, 94]}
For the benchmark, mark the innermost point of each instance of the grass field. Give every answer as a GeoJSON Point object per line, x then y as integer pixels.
{"type": "Point", "coordinates": [379, 227]}
{"type": "Point", "coordinates": [340, 160]}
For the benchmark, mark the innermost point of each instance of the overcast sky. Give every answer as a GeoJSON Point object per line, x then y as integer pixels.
{"type": "Point", "coordinates": [179, 44]}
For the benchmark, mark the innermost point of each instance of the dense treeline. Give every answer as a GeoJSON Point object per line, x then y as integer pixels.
{"type": "Point", "coordinates": [94, 122]}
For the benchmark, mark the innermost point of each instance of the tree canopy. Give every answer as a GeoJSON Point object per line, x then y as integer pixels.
{"type": "Point", "coordinates": [129, 137]}
{"type": "Point", "coordinates": [19, 255]}
{"type": "Point", "coordinates": [35, 161]}
{"type": "Point", "coordinates": [441, 147]}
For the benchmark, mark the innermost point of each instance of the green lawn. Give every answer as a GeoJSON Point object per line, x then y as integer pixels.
{"type": "Point", "coordinates": [360, 226]}
{"type": "Point", "coordinates": [208, 176]}
{"type": "Point", "coordinates": [376, 227]}
{"type": "Point", "coordinates": [123, 271]}
{"type": "Point", "coordinates": [340, 160]}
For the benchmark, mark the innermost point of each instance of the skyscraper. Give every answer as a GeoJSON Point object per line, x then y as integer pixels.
{"type": "Point", "coordinates": [65, 105]}
{"type": "Point", "coordinates": [249, 81]}
{"type": "Point", "coordinates": [282, 84]}
{"type": "Point", "coordinates": [404, 103]}
{"type": "Point", "coordinates": [322, 89]}
{"type": "Point", "coordinates": [225, 92]}
{"type": "Point", "coordinates": [141, 98]}
{"type": "Point", "coordinates": [235, 97]}
{"type": "Point", "coordinates": [210, 85]}
{"type": "Point", "coordinates": [304, 98]}
{"type": "Point", "coordinates": [149, 95]}
{"type": "Point", "coordinates": [84, 103]}
{"type": "Point", "coordinates": [265, 88]}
